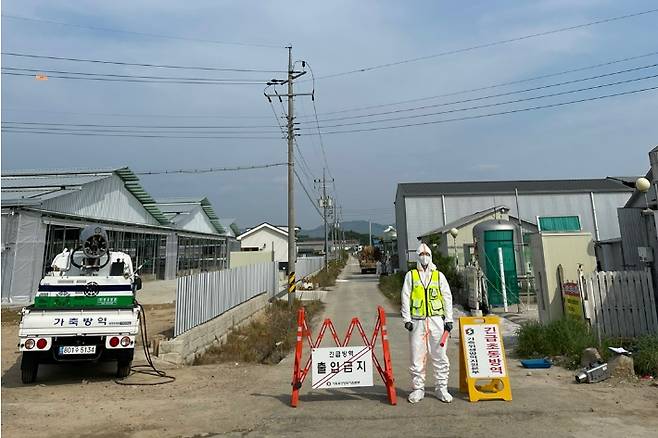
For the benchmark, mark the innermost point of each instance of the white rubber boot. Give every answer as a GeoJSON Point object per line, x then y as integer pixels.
{"type": "Point", "coordinates": [416, 396]}
{"type": "Point", "coordinates": [443, 395]}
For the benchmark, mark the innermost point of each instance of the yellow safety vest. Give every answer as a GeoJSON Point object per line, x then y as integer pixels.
{"type": "Point", "coordinates": [426, 301]}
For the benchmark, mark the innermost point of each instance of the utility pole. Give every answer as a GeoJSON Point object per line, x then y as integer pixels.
{"type": "Point", "coordinates": [292, 247]}
{"type": "Point", "coordinates": [370, 232]}
{"type": "Point", "coordinates": [324, 217]}
{"type": "Point", "coordinates": [326, 204]}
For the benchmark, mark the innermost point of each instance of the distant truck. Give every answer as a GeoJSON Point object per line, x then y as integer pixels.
{"type": "Point", "coordinates": [368, 258]}
{"type": "Point", "coordinates": [84, 309]}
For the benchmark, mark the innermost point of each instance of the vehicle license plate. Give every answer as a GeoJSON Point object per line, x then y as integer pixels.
{"type": "Point", "coordinates": [77, 349]}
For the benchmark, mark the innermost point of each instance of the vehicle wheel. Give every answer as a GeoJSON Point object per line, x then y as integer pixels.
{"type": "Point", "coordinates": [123, 368]}
{"type": "Point", "coordinates": [29, 368]}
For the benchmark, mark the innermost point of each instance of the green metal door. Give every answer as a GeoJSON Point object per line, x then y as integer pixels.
{"type": "Point", "coordinates": [493, 240]}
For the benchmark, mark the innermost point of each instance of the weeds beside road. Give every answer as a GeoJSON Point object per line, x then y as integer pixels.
{"type": "Point", "coordinates": [327, 277]}
{"type": "Point", "coordinates": [567, 338]}
{"type": "Point", "coordinates": [266, 340]}
{"type": "Point", "coordinates": [391, 287]}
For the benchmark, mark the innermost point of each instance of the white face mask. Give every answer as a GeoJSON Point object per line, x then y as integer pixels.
{"type": "Point", "coordinates": [424, 260]}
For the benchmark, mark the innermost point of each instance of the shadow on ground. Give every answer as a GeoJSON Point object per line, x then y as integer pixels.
{"type": "Point", "coordinates": [61, 374]}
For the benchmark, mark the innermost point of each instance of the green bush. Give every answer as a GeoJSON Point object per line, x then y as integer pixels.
{"type": "Point", "coordinates": [566, 338]}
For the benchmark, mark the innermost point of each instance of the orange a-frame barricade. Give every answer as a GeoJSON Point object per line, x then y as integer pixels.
{"type": "Point", "coordinates": [303, 332]}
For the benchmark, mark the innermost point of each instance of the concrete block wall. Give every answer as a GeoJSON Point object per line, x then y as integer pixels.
{"type": "Point", "coordinates": [183, 349]}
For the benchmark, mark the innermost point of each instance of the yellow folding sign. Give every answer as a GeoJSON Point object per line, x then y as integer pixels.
{"type": "Point", "coordinates": [482, 364]}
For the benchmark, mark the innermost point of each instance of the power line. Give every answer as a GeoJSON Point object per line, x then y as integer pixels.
{"type": "Point", "coordinates": [496, 85]}
{"type": "Point", "coordinates": [98, 125]}
{"type": "Point", "coordinates": [307, 172]}
{"type": "Point", "coordinates": [490, 105]}
{"type": "Point", "coordinates": [491, 44]}
{"type": "Point", "coordinates": [307, 193]}
{"type": "Point", "coordinates": [122, 76]}
{"type": "Point", "coordinates": [210, 170]}
{"type": "Point", "coordinates": [233, 116]}
{"type": "Point", "coordinates": [133, 135]}
{"type": "Point", "coordinates": [481, 116]}
{"type": "Point", "coordinates": [136, 64]}
{"type": "Point", "coordinates": [474, 99]}
{"type": "Point", "coordinates": [92, 78]}
{"type": "Point", "coordinates": [302, 160]}
{"type": "Point", "coordinates": [146, 34]}
{"type": "Point", "coordinates": [317, 124]}
{"type": "Point", "coordinates": [40, 127]}
{"type": "Point", "coordinates": [131, 131]}
{"type": "Point", "coordinates": [133, 115]}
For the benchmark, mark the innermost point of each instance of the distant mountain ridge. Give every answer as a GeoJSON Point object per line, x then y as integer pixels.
{"type": "Point", "coordinates": [356, 226]}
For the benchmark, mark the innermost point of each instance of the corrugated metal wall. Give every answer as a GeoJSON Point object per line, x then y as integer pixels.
{"type": "Point", "coordinates": [202, 297]}
{"type": "Point", "coordinates": [401, 227]}
{"type": "Point", "coordinates": [424, 214]}
{"type": "Point", "coordinates": [611, 256]}
{"type": "Point", "coordinates": [105, 199]}
{"type": "Point", "coordinates": [637, 230]}
{"type": "Point", "coordinates": [305, 266]}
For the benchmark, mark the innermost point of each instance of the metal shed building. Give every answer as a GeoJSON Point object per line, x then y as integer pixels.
{"type": "Point", "coordinates": [423, 207]}
{"type": "Point", "coordinates": [43, 212]}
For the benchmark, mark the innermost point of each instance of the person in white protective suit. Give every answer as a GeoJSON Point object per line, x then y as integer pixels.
{"type": "Point", "coordinates": [426, 313]}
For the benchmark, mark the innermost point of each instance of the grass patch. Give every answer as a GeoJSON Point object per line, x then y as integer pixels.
{"type": "Point", "coordinates": [266, 340]}
{"type": "Point", "coordinates": [645, 355]}
{"type": "Point", "coordinates": [391, 287]}
{"type": "Point", "coordinates": [327, 277]}
{"type": "Point", "coordinates": [565, 338]}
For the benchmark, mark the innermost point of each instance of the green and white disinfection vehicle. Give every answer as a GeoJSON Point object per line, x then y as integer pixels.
{"type": "Point", "coordinates": [84, 309]}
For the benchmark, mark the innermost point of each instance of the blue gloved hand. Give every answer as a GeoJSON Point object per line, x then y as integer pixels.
{"type": "Point", "coordinates": [447, 326]}
{"type": "Point", "coordinates": [409, 325]}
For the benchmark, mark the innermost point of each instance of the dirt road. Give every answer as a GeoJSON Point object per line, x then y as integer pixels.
{"type": "Point", "coordinates": [252, 400]}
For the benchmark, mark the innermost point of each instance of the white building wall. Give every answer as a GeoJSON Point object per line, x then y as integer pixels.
{"type": "Point", "coordinates": [268, 240]}
{"type": "Point", "coordinates": [107, 199]}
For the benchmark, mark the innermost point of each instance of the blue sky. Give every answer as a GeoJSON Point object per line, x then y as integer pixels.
{"type": "Point", "coordinates": [587, 140]}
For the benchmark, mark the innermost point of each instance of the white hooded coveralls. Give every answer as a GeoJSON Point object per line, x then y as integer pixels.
{"type": "Point", "coordinates": [426, 334]}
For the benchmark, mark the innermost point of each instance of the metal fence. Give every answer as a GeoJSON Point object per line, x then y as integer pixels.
{"type": "Point", "coordinates": [202, 297]}
{"type": "Point", "coordinates": [307, 266]}
{"type": "Point", "coordinates": [620, 304]}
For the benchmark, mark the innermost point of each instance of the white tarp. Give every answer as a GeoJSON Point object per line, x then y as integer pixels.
{"type": "Point", "coordinates": [28, 258]}
{"type": "Point", "coordinates": [9, 231]}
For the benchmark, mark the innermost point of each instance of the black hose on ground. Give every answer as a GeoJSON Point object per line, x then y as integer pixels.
{"type": "Point", "coordinates": [149, 369]}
